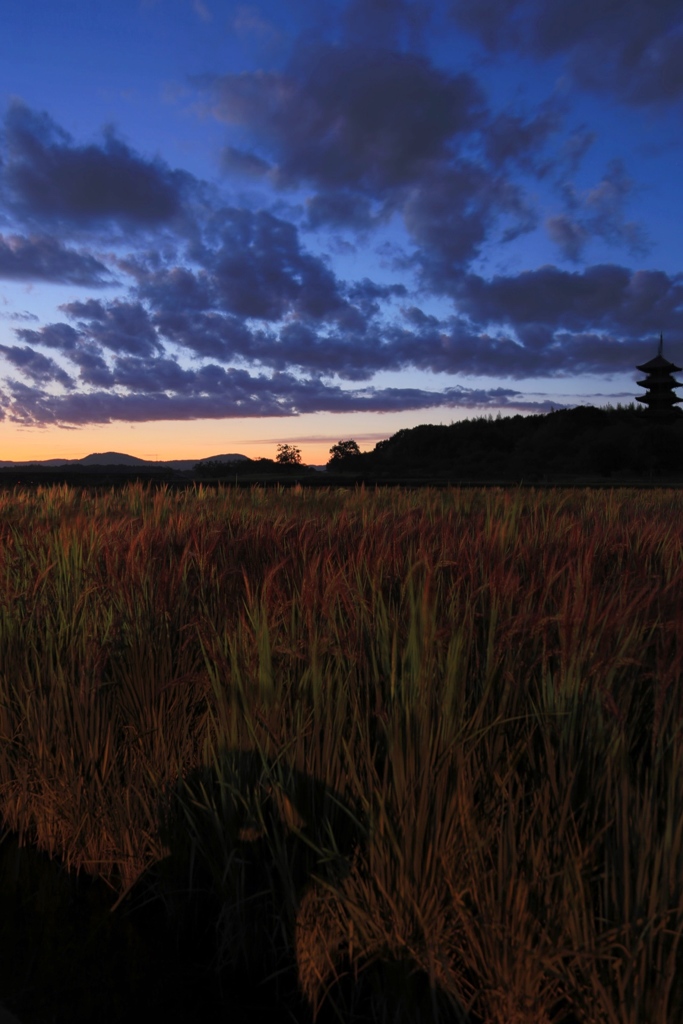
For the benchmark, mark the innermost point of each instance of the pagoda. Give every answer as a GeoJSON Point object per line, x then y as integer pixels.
{"type": "Point", "coordinates": [661, 399]}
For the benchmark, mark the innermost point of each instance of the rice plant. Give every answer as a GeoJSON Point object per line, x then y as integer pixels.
{"type": "Point", "coordinates": [425, 746]}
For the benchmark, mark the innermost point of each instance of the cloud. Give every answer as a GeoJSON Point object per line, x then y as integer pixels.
{"type": "Point", "coordinates": [543, 323]}
{"type": "Point", "coordinates": [598, 212]}
{"type": "Point", "coordinates": [202, 11]}
{"type": "Point", "coordinates": [375, 116]}
{"type": "Point", "coordinates": [367, 295]}
{"type": "Point", "coordinates": [175, 289]}
{"type": "Point", "coordinates": [342, 209]}
{"type": "Point", "coordinates": [604, 206]}
{"type": "Point", "coordinates": [375, 132]}
{"type": "Point", "coordinates": [632, 49]}
{"type": "Point", "coordinates": [237, 394]}
{"type": "Point", "coordinates": [59, 336]}
{"type": "Point", "coordinates": [514, 139]}
{"type": "Point", "coordinates": [118, 326]}
{"type": "Point", "coordinates": [240, 161]}
{"type": "Point", "coordinates": [569, 236]}
{"type": "Point", "coordinates": [607, 297]}
{"type": "Point", "coordinates": [400, 24]}
{"type": "Point", "coordinates": [575, 147]}
{"type": "Point", "coordinates": [352, 354]}
{"type": "Point", "coordinates": [414, 315]}
{"type": "Point", "coordinates": [452, 213]}
{"type": "Point", "coordinates": [159, 375]}
{"type": "Point", "coordinates": [251, 265]}
{"type": "Point", "coordinates": [35, 365]}
{"type": "Point", "coordinates": [47, 178]}
{"type": "Point", "coordinates": [24, 317]}
{"type": "Point", "coordinates": [43, 258]}
{"type": "Point", "coordinates": [93, 369]}
{"type": "Point", "coordinates": [370, 135]}
{"type": "Point", "coordinates": [207, 335]}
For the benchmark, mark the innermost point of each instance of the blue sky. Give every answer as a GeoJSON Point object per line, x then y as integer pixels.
{"type": "Point", "coordinates": [228, 225]}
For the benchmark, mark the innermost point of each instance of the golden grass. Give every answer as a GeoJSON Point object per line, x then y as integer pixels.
{"type": "Point", "coordinates": [449, 720]}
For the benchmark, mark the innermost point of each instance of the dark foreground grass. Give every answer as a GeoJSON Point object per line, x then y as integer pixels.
{"type": "Point", "coordinates": [410, 755]}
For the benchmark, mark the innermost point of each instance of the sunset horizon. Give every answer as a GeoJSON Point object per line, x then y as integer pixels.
{"type": "Point", "coordinates": [224, 228]}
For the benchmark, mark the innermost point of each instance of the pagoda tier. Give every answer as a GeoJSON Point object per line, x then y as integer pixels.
{"type": "Point", "coordinates": [661, 399]}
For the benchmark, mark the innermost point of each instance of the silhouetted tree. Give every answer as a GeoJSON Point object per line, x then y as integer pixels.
{"type": "Point", "coordinates": [288, 455]}
{"type": "Point", "coordinates": [343, 452]}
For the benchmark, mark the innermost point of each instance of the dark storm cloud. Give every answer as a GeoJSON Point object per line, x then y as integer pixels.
{"type": "Point", "coordinates": [42, 258]}
{"type": "Point", "coordinates": [35, 365]}
{"type": "Point", "coordinates": [633, 48]}
{"type": "Point", "coordinates": [47, 178]}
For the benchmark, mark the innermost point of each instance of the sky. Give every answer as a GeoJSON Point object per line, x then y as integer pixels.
{"type": "Point", "coordinates": [225, 226]}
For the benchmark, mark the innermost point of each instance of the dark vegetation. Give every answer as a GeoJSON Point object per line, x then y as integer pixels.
{"type": "Point", "coordinates": [585, 444]}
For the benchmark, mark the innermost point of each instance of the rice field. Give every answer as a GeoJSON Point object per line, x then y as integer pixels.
{"type": "Point", "coordinates": [424, 748]}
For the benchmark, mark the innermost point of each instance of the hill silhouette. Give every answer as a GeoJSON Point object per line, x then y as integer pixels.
{"type": "Point", "coordinates": [120, 459]}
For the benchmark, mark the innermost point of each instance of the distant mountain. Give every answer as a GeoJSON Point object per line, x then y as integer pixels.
{"type": "Point", "coordinates": [121, 459]}
{"type": "Point", "coordinates": [110, 459]}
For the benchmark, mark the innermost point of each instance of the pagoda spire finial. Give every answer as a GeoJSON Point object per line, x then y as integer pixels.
{"type": "Point", "coordinates": [661, 343]}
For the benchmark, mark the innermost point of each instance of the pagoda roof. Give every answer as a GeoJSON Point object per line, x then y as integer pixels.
{"type": "Point", "coordinates": [659, 363]}
{"type": "Point", "coordinates": [659, 384]}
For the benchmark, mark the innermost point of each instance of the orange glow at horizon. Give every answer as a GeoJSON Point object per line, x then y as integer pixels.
{"type": "Point", "coordinates": [199, 439]}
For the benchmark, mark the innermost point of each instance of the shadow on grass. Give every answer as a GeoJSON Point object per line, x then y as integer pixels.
{"type": "Point", "coordinates": [210, 929]}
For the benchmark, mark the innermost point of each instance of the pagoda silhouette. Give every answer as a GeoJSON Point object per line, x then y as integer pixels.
{"type": "Point", "coordinates": [661, 399]}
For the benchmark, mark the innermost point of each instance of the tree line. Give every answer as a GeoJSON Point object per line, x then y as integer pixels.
{"type": "Point", "coordinates": [584, 441]}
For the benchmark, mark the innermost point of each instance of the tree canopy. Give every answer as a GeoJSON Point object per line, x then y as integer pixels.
{"type": "Point", "coordinates": [288, 455]}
